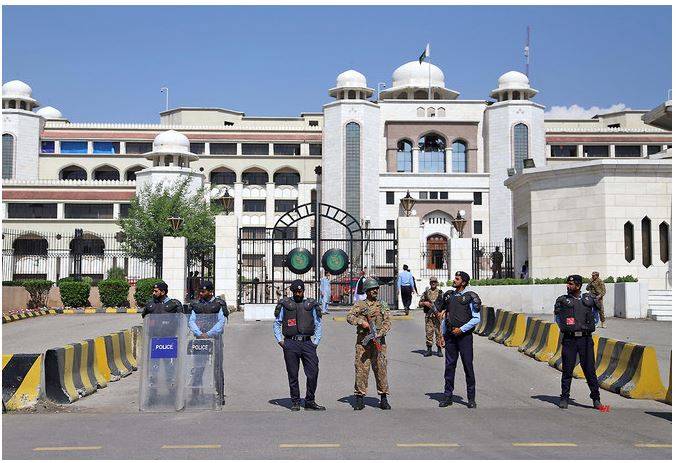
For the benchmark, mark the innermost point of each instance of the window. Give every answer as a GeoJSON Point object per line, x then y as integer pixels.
{"type": "Point", "coordinates": [596, 151]}
{"type": "Point", "coordinates": [431, 112]}
{"type": "Point", "coordinates": [564, 151]}
{"type": "Point", "coordinates": [421, 112]}
{"type": "Point", "coordinates": [286, 178]}
{"type": "Point", "coordinates": [390, 255]}
{"type": "Point", "coordinates": [613, 126]}
{"type": "Point", "coordinates": [30, 245]}
{"type": "Point", "coordinates": [47, 146]}
{"type": "Point", "coordinates": [664, 242]}
{"type": "Point", "coordinates": [478, 198]}
{"type": "Point", "coordinates": [286, 149]}
{"type": "Point", "coordinates": [654, 149]}
{"type": "Point", "coordinates": [7, 155]}
{"type": "Point", "coordinates": [520, 145]}
{"type": "Point", "coordinates": [124, 210]}
{"type": "Point", "coordinates": [254, 205]}
{"type": "Point", "coordinates": [287, 233]}
{"type": "Point", "coordinates": [351, 95]}
{"type": "Point", "coordinates": [106, 147]}
{"type": "Point", "coordinates": [253, 232]}
{"type": "Point", "coordinates": [88, 211]}
{"type": "Point", "coordinates": [459, 150]}
{"type": "Point", "coordinates": [285, 205]}
{"type": "Point", "coordinates": [252, 260]}
{"type": "Point", "coordinates": [443, 195]}
{"type": "Point", "coordinates": [315, 149]}
{"type": "Point", "coordinates": [628, 241]}
{"type": "Point", "coordinates": [222, 176]}
{"type": "Point", "coordinates": [255, 178]}
{"type": "Point", "coordinates": [432, 153]}
{"type": "Point", "coordinates": [402, 96]}
{"type": "Point", "coordinates": [441, 112]}
{"type": "Point", "coordinates": [478, 227]}
{"type": "Point", "coordinates": [628, 151]}
{"type": "Point", "coordinates": [134, 147]}
{"type": "Point", "coordinates": [434, 195]}
{"type": "Point", "coordinates": [313, 123]}
{"type": "Point", "coordinates": [421, 95]}
{"type": "Point", "coordinates": [229, 149]}
{"type": "Point", "coordinates": [353, 169]}
{"type": "Point", "coordinates": [31, 211]}
{"type": "Point", "coordinates": [646, 242]}
{"type": "Point", "coordinates": [279, 260]}
{"type": "Point", "coordinates": [73, 173]}
{"type": "Point", "coordinates": [73, 147]}
{"type": "Point", "coordinates": [106, 173]}
{"type": "Point", "coordinates": [255, 149]}
{"type": "Point", "coordinates": [404, 156]}
{"type": "Point", "coordinates": [131, 172]}
{"type": "Point", "coordinates": [389, 226]}
{"type": "Point", "coordinates": [197, 148]}
{"type": "Point", "coordinates": [422, 195]}
{"type": "Point", "coordinates": [389, 197]}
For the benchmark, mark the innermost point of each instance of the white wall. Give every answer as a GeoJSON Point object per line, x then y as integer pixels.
{"type": "Point", "coordinates": [25, 127]}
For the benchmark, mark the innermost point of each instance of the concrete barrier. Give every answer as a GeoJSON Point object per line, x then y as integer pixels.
{"type": "Point", "coordinates": [21, 316]}
{"type": "Point", "coordinates": [69, 372]}
{"type": "Point", "coordinates": [137, 340]}
{"type": "Point", "coordinates": [517, 331]}
{"type": "Point", "coordinates": [500, 320]}
{"type": "Point", "coordinates": [128, 350]}
{"type": "Point", "coordinates": [21, 380]}
{"type": "Point", "coordinates": [667, 399]}
{"type": "Point", "coordinates": [557, 362]}
{"type": "Point", "coordinates": [487, 322]}
{"type": "Point", "coordinates": [533, 334]}
{"type": "Point", "coordinates": [116, 356]}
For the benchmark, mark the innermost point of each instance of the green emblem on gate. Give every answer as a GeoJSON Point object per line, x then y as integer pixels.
{"type": "Point", "coordinates": [299, 260]}
{"type": "Point", "coordinates": [335, 261]}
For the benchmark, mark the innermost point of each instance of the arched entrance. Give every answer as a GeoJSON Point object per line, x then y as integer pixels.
{"type": "Point", "coordinates": [437, 251]}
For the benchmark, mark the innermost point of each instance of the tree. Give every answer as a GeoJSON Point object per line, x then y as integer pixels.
{"type": "Point", "coordinates": [147, 224]}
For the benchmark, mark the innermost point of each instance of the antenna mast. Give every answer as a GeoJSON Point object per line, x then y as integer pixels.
{"type": "Point", "coordinates": [526, 51]}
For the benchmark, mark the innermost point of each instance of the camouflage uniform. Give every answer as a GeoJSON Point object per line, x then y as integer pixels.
{"type": "Point", "coordinates": [598, 289]}
{"type": "Point", "coordinates": [432, 323]}
{"type": "Point", "coordinates": [369, 356]}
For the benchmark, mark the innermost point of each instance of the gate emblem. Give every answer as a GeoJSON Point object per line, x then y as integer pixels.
{"type": "Point", "coordinates": [299, 260]}
{"type": "Point", "coordinates": [335, 261]}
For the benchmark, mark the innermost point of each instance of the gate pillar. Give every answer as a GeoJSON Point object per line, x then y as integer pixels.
{"type": "Point", "coordinates": [226, 258]}
{"type": "Point", "coordinates": [408, 252]}
{"type": "Point", "coordinates": [174, 259]}
{"type": "Point", "coordinates": [461, 256]}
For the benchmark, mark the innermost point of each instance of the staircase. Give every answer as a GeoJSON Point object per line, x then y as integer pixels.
{"type": "Point", "coordinates": [659, 304]}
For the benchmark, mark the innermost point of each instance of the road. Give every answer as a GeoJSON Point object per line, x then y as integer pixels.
{"type": "Point", "coordinates": [516, 416]}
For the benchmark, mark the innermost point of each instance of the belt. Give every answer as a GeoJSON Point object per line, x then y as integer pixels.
{"type": "Point", "coordinates": [299, 337]}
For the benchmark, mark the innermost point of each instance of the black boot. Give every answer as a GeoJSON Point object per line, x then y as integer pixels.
{"type": "Point", "coordinates": [406, 311]}
{"type": "Point", "coordinates": [429, 352]}
{"type": "Point", "coordinates": [383, 402]}
{"type": "Point", "coordinates": [471, 403]}
{"type": "Point", "coordinates": [447, 402]}
{"type": "Point", "coordinates": [439, 353]}
{"type": "Point", "coordinates": [563, 402]}
{"type": "Point", "coordinates": [312, 405]}
{"type": "Point", "coordinates": [359, 403]}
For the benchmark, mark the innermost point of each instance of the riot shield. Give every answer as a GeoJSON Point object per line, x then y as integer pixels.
{"type": "Point", "coordinates": [165, 338]}
{"type": "Point", "coordinates": [204, 365]}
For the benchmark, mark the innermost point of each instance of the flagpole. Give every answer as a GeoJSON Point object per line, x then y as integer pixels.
{"type": "Point", "coordinates": [429, 73]}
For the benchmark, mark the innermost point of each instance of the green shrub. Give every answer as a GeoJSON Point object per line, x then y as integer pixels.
{"type": "Point", "coordinates": [74, 293]}
{"type": "Point", "coordinates": [116, 273]}
{"type": "Point", "coordinates": [65, 280]}
{"type": "Point", "coordinates": [12, 283]}
{"type": "Point", "coordinates": [89, 281]}
{"type": "Point", "coordinates": [609, 280]}
{"type": "Point", "coordinates": [38, 291]}
{"type": "Point", "coordinates": [114, 293]}
{"type": "Point", "coordinates": [144, 290]}
{"type": "Point", "coordinates": [627, 279]}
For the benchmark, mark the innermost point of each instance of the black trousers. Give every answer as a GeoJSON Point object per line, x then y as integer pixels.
{"type": "Point", "coordinates": [406, 296]}
{"type": "Point", "coordinates": [571, 346]}
{"type": "Point", "coordinates": [463, 346]}
{"type": "Point", "coordinates": [201, 364]}
{"type": "Point", "coordinates": [294, 353]}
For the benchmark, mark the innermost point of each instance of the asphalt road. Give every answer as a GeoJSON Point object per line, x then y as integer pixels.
{"type": "Point", "coordinates": [516, 416]}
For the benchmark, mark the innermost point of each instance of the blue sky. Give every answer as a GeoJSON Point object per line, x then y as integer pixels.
{"type": "Point", "coordinates": [107, 64]}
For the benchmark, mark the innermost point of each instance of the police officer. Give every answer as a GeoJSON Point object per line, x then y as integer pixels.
{"type": "Point", "coordinates": [372, 318]}
{"type": "Point", "coordinates": [208, 316]}
{"type": "Point", "coordinates": [432, 322]}
{"type": "Point", "coordinates": [298, 330]}
{"type": "Point", "coordinates": [460, 311]}
{"type": "Point", "coordinates": [577, 315]}
{"type": "Point", "coordinates": [160, 302]}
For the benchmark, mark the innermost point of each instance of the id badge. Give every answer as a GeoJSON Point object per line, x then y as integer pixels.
{"type": "Point", "coordinates": [570, 321]}
{"type": "Point", "coordinates": [291, 322]}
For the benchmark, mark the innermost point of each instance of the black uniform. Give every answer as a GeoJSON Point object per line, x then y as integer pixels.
{"type": "Point", "coordinates": [298, 326]}
{"type": "Point", "coordinates": [577, 320]}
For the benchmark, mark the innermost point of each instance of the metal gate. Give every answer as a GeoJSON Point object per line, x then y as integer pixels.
{"type": "Point", "coordinates": [201, 266]}
{"type": "Point", "coordinates": [264, 276]}
{"type": "Point", "coordinates": [492, 260]}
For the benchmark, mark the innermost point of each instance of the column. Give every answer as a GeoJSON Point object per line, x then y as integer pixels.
{"type": "Point", "coordinates": [580, 151]}
{"type": "Point", "coordinates": [90, 147]}
{"type": "Point", "coordinates": [239, 149]}
{"type": "Point", "coordinates": [408, 236]}
{"type": "Point", "coordinates": [449, 159]}
{"type": "Point", "coordinates": [116, 210]}
{"type": "Point", "coordinates": [174, 272]}
{"type": "Point", "coordinates": [416, 157]}
{"type": "Point", "coordinates": [612, 151]}
{"type": "Point", "coordinates": [60, 210]}
{"type": "Point", "coordinates": [123, 147]}
{"type": "Point", "coordinates": [226, 258]}
{"type": "Point", "coordinates": [269, 204]}
{"type": "Point", "coordinates": [238, 206]}
{"type": "Point", "coordinates": [207, 149]}
{"type": "Point", "coordinates": [461, 255]}
{"type": "Point", "coordinates": [644, 151]}
{"type": "Point", "coordinates": [271, 149]}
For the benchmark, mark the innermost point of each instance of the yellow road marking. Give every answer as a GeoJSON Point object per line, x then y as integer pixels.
{"type": "Point", "coordinates": [427, 444]}
{"type": "Point", "coordinates": [339, 319]}
{"type": "Point", "coordinates": [654, 446]}
{"type": "Point", "coordinates": [192, 446]}
{"type": "Point", "coordinates": [544, 444]}
{"type": "Point", "coordinates": [66, 449]}
{"type": "Point", "coordinates": [308, 446]}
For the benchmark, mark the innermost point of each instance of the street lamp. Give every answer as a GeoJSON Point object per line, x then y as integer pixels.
{"type": "Point", "coordinates": [175, 223]}
{"type": "Point", "coordinates": [227, 201]}
{"type": "Point", "coordinates": [459, 222]}
{"type": "Point", "coordinates": [407, 203]}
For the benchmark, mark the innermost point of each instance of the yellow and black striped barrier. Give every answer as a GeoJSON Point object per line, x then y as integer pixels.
{"type": "Point", "coordinates": [487, 322]}
{"type": "Point", "coordinates": [557, 361]}
{"type": "Point", "coordinates": [137, 340]}
{"type": "Point", "coordinates": [83, 311]}
{"type": "Point", "coordinates": [667, 399]}
{"type": "Point", "coordinates": [541, 341]}
{"type": "Point", "coordinates": [22, 316]}
{"type": "Point", "coordinates": [501, 317]}
{"type": "Point", "coordinates": [117, 356]}
{"type": "Point", "coordinates": [70, 372]}
{"type": "Point", "coordinates": [21, 380]}
{"type": "Point", "coordinates": [516, 332]}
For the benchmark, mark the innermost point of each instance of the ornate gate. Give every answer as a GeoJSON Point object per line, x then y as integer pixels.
{"type": "Point", "coordinates": [269, 259]}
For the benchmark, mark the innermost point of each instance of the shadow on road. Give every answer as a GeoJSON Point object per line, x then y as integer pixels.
{"type": "Point", "coordinates": [285, 402]}
{"type": "Point", "coordinates": [554, 399]}
{"type": "Point", "coordinates": [439, 396]}
{"type": "Point", "coordinates": [663, 415]}
{"type": "Point", "coordinates": [368, 401]}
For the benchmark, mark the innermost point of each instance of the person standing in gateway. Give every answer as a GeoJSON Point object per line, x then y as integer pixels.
{"type": "Point", "coordinates": [406, 286]}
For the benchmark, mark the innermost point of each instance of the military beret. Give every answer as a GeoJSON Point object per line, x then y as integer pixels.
{"type": "Point", "coordinates": [297, 285]}
{"type": "Point", "coordinates": [577, 279]}
{"type": "Point", "coordinates": [207, 286]}
{"type": "Point", "coordinates": [433, 279]}
{"type": "Point", "coordinates": [463, 275]}
{"type": "Point", "coordinates": [162, 286]}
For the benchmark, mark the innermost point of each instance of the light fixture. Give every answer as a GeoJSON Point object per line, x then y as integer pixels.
{"type": "Point", "coordinates": [459, 222]}
{"type": "Point", "coordinates": [175, 223]}
{"type": "Point", "coordinates": [511, 171]}
{"type": "Point", "coordinates": [227, 201]}
{"type": "Point", "coordinates": [528, 163]}
{"type": "Point", "coordinates": [407, 203]}
{"type": "Point", "coordinates": [120, 237]}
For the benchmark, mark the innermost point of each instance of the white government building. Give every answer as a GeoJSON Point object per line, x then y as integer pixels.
{"type": "Point", "coordinates": [593, 194]}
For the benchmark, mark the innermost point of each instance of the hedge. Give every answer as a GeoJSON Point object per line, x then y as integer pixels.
{"type": "Point", "coordinates": [116, 273]}
{"type": "Point", "coordinates": [38, 291]}
{"type": "Point", "coordinates": [114, 293]}
{"type": "Point", "coordinates": [541, 281]}
{"type": "Point", "coordinates": [12, 283]}
{"type": "Point", "coordinates": [144, 290]}
{"type": "Point", "coordinates": [74, 293]}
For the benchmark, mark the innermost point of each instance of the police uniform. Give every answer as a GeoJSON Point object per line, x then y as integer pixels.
{"type": "Point", "coordinates": [432, 322]}
{"type": "Point", "coordinates": [369, 356]}
{"type": "Point", "coordinates": [298, 325]}
{"type": "Point", "coordinates": [576, 317]}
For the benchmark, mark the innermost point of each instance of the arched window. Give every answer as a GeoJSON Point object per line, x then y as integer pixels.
{"type": "Point", "coordinates": [664, 242]}
{"type": "Point", "coordinates": [12, 104]}
{"type": "Point", "coordinates": [22, 105]}
{"type": "Point", "coordinates": [520, 146]}
{"type": "Point", "coordinates": [353, 169]}
{"type": "Point", "coordinates": [504, 96]}
{"type": "Point", "coordinates": [431, 112]}
{"type": "Point", "coordinates": [222, 176]}
{"type": "Point", "coordinates": [629, 241]}
{"type": "Point", "coordinates": [404, 156]}
{"type": "Point", "coordinates": [286, 177]}
{"type": "Point", "coordinates": [89, 244]}
{"type": "Point", "coordinates": [516, 95]}
{"type": "Point", "coordinates": [459, 151]}
{"type": "Point", "coordinates": [73, 173]}
{"type": "Point", "coordinates": [441, 112]}
{"type": "Point", "coordinates": [437, 96]}
{"type": "Point", "coordinates": [131, 172]}
{"type": "Point", "coordinates": [255, 177]}
{"type": "Point", "coordinates": [106, 173]}
{"type": "Point", "coordinates": [437, 246]}
{"type": "Point", "coordinates": [421, 112]}
{"type": "Point", "coordinates": [646, 242]}
{"type": "Point", "coordinates": [30, 245]}
{"type": "Point", "coordinates": [7, 155]}
{"type": "Point", "coordinates": [432, 156]}
{"type": "Point", "coordinates": [403, 96]}
{"type": "Point", "coordinates": [351, 95]}
{"type": "Point", "coordinates": [420, 95]}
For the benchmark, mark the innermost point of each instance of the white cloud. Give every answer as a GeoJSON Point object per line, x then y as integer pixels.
{"type": "Point", "coordinates": [578, 112]}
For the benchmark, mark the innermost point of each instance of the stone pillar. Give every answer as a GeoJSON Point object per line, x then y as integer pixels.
{"type": "Point", "coordinates": [269, 204]}
{"type": "Point", "coordinates": [226, 258]}
{"type": "Point", "coordinates": [448, 154]}
{"type": "Point", "coordinates": [408, 236]}
{"type": "Point", "coordinates": [461, 255]}
{"type": "Point", "coordinates": [611, 151]}
{"type": "Point", "coordinates": [416, 157]}
{"type": "Point", "coordinates": [174, 260]}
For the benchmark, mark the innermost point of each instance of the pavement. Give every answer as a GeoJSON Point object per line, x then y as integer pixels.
{"type": "Point", "coordinates": [516, 418]}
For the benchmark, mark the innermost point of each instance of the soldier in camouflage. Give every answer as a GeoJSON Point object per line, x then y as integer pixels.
{"type": "Point", "coordinates": [432, 321]}
{"type": "Point", "coordinates": [597, 289]}
{"type": "Point", "coordinates": [370, 352]}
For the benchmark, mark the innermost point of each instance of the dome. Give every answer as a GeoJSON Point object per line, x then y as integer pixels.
{"type": "Point", "coordinates": [416, 74]}
{"type": "Point", "coordinates": [17, 89]}
{"type": "Point", "coordinates": [171, 141]}
{"type": "Point", "coordinates": [513, 80]}
{"type": "Point", "coordinates": [49, 113]}
{"type": "Point", "coordinates": [351, 78]}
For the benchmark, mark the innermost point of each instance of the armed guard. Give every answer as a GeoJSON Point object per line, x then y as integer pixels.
{"type": "Point", "coordinates": [298, 330]}
{"type": "Point", "coordinates": [577, 315]}
{"type": "Point", "coordinates": [208, 316]}
{"type": "Point", "coordinates": [460, 311]}
{"type": "Point", "coordinates": [432, 321]}
{"type": "Point", "coordinates": [372, 318]}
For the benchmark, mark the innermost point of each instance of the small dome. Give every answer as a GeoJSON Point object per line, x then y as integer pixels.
{"type": "Point", "coordinates": [513, 80]}
{"type": "Point", "coordinates": [171, 141]}
{"type": "Point", "coordinates": [351, 78]}
{"type": "Point", "coordinates": [49, 113]}
{"type": "Point", "coordinates": [416, 74]}
{"type": "Point", "coordinates": [17, 89]}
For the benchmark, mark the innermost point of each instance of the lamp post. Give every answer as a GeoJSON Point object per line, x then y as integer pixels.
{"type": "Point", "coordinates": [407, 203]}
{"type": "Point", "coordinates": [227, 202]}
{"type": "Point", "coordinates": [459, 222]}
{"type": "Point", "coordinates": [175, 223]}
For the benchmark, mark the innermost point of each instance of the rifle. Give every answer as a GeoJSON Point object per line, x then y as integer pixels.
{"type": "Point", "coordinates": [372, 336]}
